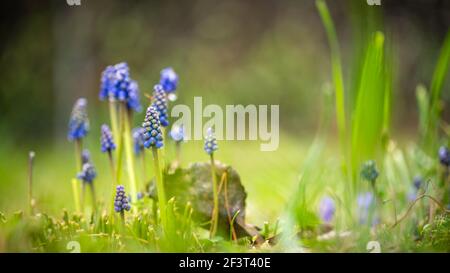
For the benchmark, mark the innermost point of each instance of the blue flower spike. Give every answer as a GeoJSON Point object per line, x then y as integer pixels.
{"type": "Point", "coordinates": [88, 173]}
{"type": "Point", "coordinates": [177, 133]}
{"type": "Point", "coordinates": [327, 209]}
{"type": "Point", "coordinates": [210, 142]}
{"type": "Point", "coordinates": [117, 85]}
{"type": "Point", "coordinates": [138, 140]}
{"type": "Point", "coordinates": [152, 129]}
{"type": "Point", "coordinates": [106, 139]}
{"type": "Point", "coordinates": [85, 156]}
{"type": "Point", "coordinates": [169, 82]}
{"type": "Point", "coordinates": [369, 171]}
{"type": "Point", "coordinates": [366, 203]}
{"type": "Point", "coordinates": [160, 104]}
{"type": "Point", "coordinates": [79, 122]}
{"type": "Point", "coordinates": [444, 156]}
{"type": "Point", "coordinates": [121, 203]}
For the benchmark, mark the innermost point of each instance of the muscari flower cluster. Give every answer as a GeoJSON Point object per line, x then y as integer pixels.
{"type": "Point", "coordinates": [79, 122]}
{"type": "Point", "coordinates": [121, 201]}
{"type": "Point", "coordinates": [85, 156]}
{"type": "Point", "coordinates": [444, 156]}
{"type": "Point", "coordinates": [327, 209]}
{"type": "Point", "coordinates": [160, 104]}
{"type": "Point", "coordinates": [106, 139]}
{"type": "Point", "coordinates": [138, 140]}
{"type": "Point", "coordinates": [417, 184]}
{"type": "Point", "coordinates": [210, 142]}
{"type": "Point", "coordinates": [369, 171]}
{"type": "Point", "coordinates": [152, 129]}
{"type": "Point", "coordinates": [177, 133]}
{"type": "Point", "coordinates": [366, 202]}
{"type": "Point", "coordinates": [116, 84]}
{"type": "Point", "coordinates": [88, 173]}
{"type": "Point", "coordinates": [169, 80]}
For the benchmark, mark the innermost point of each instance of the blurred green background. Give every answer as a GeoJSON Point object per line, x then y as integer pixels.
{"type": "Point", "coordinates": [228, 52]}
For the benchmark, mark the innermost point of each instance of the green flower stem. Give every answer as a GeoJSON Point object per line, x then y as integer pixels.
{"type": "Point", "coordinates": [144, 168]}
{"type": "Point", "coordinates": [113, 179]}
{"type": "Point", "coordinates": [122, 218]}
{"type": "Point", "coordinates": [178, 153]}
{"type": "Point", "coordinates": [76, 194]}
{"type": "Point", "coordinates": [120, 146]}
{"type": "Point", "coordinates": [160, 188]}
{"type": "Point", "coordinates": [113, 117]}
{"type": "Point", "coordinates": [93, 197]}
{"type": "Point", "coordinates": [129, 153]}
{"type": "Point", "coordinates": [30, 182]}
{"type": "Point", "coordinates": [75, 185]}
{"type": "Point", "coordinates": [163, 148]}
{"type": "Point", "coordinates": [215, 212]}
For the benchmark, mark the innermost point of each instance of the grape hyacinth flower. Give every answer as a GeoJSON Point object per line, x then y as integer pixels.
{"type": "Point", "coordinates": [106, 140]}
{"type": "Point", "coordinates": [210, 142]}
{"type": "Point", "coordinates": [121, 203]}
{"type": "Point", "coordinates": [327, 209]}
{"type": "Point", "coordinates": [78, 129]}
{"type": "Point", "coordinates": [138, 140]}
{"type": "Point", "coordinates": [369, 171]}
{"type": "Point", "coordinates": [153, 139]}
{"type": "Point", "coordinates": [210, 147]}
{"type": "Point", "coordinates": [366, 208]}
{"type": "Point", "coordinates": [160, 104]}
{"type": "Point", "coordinates": [85, 156]}
{"type": "Point", "coordinates": [87, 176]}
{"type": "Point", "coordinates": [444, 156]}
{"type": "Point", "coordinates": [117, 85]}
{"type": "Point", "coordinates": [169, 82]}
{"type": "Point", "coordinates": [79, 122]}
{"type": "Point", "coordinates": [417, 182]}
{"type": "Point", "coordinates": [133, 101]}
{"type": "Point", "coordinates": [177, 134]}
{"type": "Point", "coordinates": [152, 129]}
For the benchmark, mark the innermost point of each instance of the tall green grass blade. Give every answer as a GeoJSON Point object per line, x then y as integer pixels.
{"type": "Point", "coordinates": [423, 105]}
{"type": "Point", "coordinates": [437, 83]}
{"type": "Point", "coordinates": [369, 110]}
{"type": "Point", "coordinates": [336, 72]}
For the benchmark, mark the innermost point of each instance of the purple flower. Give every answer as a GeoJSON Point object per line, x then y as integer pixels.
{"type": "Point", "coordinates": [121, 201]}
{"type": "Point", "coordinates": [138, 140]}
{"type": "Point", "coordinates": [369, 171]}
{"type": "Point", "coordinates": [79, 122]}
{"type": "Point", "coordinates": [88, 173]}
{"type": "Point", "coordinates": [169, 80]}
{"type": "Point", "coordinates": [106, 139]}
{"type": "Point", "coordinates": [327, 209]}
{"type": "Point", "coordinates": [444, 156]}
{"type": "Point", "coordinates": [366, 206]}
{"type": "Point", "coordinates": [85, 156]}
{"type": "Point", "coordinates": [160, 104]}
{"type": "Point", "coordinates": [116, 84]}
{"type": "Point", "coordinates": [177, 133]}
{"type": "Point", "coordinates": [210, 142]}
{"type": "Point", "coordinates": [152, 129]}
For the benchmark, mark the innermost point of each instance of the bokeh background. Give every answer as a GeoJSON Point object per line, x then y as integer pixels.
{"type": "Point", "coordinates": [228, 52]}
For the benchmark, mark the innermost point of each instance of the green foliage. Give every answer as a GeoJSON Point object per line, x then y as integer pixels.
{"type": "Point", "coordinates": [441, 71]}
